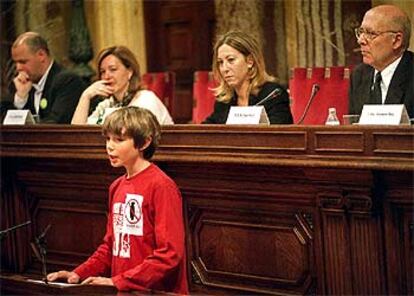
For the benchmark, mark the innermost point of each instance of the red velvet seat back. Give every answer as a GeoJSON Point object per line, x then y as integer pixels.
{"type": "Point", "coordinates": [163, 85]}
{"type": "Point", "coordinates": [333, 83]}
{"type": "Point", "coordinates": [203, 96]}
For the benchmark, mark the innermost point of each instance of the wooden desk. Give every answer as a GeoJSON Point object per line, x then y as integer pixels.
{"type": "Point", "coordinates": [19, 285]}
{"type": "Point", "coordinates": [23, 285]}
{"type": "Point", "coordinates": [277, 210]}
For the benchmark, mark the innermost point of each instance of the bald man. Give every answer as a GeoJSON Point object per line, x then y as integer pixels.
{"type": "Point", "coordinates": [41, 85]}
{"type": "Point", "coordinates": [387, 73]}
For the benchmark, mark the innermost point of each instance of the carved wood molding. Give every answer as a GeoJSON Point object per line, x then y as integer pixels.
{"type": "Point", "coordinates": [224, 242]}
{"type": "Point", "coordinates": [351, 203]}
{"type": "Point", "coordinates": [363, 147]}
{"type": "Point", "coordinates": [351, 237]}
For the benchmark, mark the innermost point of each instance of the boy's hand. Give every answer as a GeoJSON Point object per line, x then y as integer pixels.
{"type": "Point", "coordinates": [92, 280]}
{"type": "Point", "coordinates": [70, 276]}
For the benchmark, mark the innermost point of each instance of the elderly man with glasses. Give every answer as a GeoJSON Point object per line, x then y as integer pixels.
{"type": "Point", "coordinates": [387, 73]}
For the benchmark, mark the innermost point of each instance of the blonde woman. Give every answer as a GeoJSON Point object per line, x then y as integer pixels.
{"type": "Point", "coordinates": [238, 66]}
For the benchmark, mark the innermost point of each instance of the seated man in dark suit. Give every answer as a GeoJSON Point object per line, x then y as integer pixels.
{"type": "Point", "coordinates": [387, 73]}
{"type": "Point", "coordinates": [41, 85]}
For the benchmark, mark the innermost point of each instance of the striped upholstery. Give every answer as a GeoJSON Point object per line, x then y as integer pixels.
{"type": "Point", "coordinates": [163, 85]}
{"type": "Point", "coordinates": [203, 96]}
{"type": "Point", "coordinates": [333, 82]}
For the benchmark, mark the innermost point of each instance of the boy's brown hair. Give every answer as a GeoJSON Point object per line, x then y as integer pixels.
{"type": "Point", "coordinates": [136, 123]}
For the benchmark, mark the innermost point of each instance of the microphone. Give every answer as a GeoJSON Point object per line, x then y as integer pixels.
{"type": "Point", "coordinates": [315, 89]}
{"type": "Point", "coordinates": [43, 234]}
{"type": "Point", "coordinates": [39, 248]}
{"type": "Point", "coordinates": [3, 233]}
{"type": "Point", "coordinates": [273, 94]}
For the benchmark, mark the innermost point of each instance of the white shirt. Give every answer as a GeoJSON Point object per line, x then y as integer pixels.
{"type": "Point", "coordinates": [386, 76]}
{"type": "Point", "coordinates": [20, 102]}
{"type": "Point", "coordinates": [144, 99]}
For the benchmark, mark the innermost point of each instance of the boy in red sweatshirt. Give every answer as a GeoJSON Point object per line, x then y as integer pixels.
{"type": "Point", "coordinates": [144, 244]}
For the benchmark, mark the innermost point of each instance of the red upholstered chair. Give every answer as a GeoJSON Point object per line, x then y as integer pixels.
{"type": "Point", "coordinates": [163, 85]}
{"type": "Point", "coordinates": [333, 83]}
{"type": "Point", "coordinates": [203, 96]}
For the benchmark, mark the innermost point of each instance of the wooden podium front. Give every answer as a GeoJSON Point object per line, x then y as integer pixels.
{"type": "Point", "coordinates": [268, 210]}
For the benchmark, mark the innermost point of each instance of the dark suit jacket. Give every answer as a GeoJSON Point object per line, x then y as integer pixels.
{"type": "Point", "coordinates": [400, 91]}
{"type": "Point", "coordinates": [277, 109]}
{"type": "Point", "coordinates": [62, 91]}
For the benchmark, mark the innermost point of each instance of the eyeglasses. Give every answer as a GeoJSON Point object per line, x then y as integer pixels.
{"type": "Point", "coordinates": [370, 35]}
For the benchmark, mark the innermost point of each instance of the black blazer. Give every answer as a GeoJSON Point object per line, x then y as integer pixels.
{"type": "Point", "coordinates": [62, 91]}
{"type": "Point", "coordinates": [400, 91]}
{"type": "Point", "coordinates": [277, 109]}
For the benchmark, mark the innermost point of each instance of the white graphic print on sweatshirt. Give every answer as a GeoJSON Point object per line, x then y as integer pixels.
{"type": "Point", "coordinates": [127, 221]}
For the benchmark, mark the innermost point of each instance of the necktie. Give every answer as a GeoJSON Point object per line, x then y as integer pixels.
{"type": "Point", "coordinates": [376, 97]}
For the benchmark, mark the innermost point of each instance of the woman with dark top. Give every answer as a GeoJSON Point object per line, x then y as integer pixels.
{"type": "Point", "coordinates": [238, 66]}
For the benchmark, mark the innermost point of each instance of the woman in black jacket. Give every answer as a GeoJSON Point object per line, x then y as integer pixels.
{"type": "Point", "coordinates": [238, 66]}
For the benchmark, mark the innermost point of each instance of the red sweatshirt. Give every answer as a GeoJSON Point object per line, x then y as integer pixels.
{"type": "Point", "coordinates": [144, 244]}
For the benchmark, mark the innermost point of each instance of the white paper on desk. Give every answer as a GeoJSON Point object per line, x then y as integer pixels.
{"type": "Point", "coordinates": [18, 117]}
{"type": "Point", "coordinates": [54, 284]}
{"type": "Point", "coordinates": [247, 115]}
{"type": "Point", "coordinates": [390, 114]}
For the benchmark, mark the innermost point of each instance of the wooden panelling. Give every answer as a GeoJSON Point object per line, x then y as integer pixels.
{"type": "Point", "coordinates": [407, 264]}
{"type": "Point", "coordinates": [353, 244]}
{"type": "Point", "coordinates": [348, 142]}
{"type": "Point", "coordinates": [399, 233]}
{"type": "Point", "coordinates": [383, 143]}
{"type": "Point", "coordinates": [366, 247]}
{"type": "Point", "coordinates": [265, 250]}
{"type": "Point", "coordinates": [268, 210]}
{"type": "Point", "coordinates": [69, 198]}
{"type": "Point", "coordinates": [179, 37]}
{"type": "Point", "coordinates": [336, 252]}
{"type": "Point", "coordinates": [260, 140]}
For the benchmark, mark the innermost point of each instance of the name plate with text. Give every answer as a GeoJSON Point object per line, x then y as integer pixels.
{"type": "Point", "coordinates": [247, 115]}
{"type": "Point", "coordinates": [19, 117]}
{"type": "Point", "coordinates": [392, 114]}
